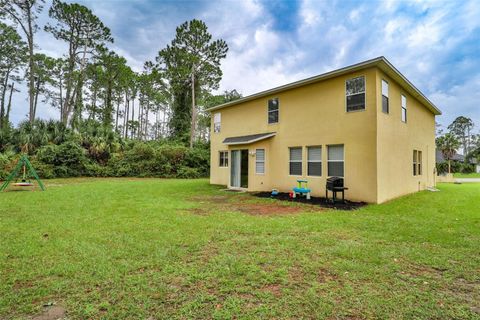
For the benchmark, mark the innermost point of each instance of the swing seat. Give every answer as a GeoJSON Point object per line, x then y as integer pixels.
{"type": "Point", "coordinates": [23, 184]}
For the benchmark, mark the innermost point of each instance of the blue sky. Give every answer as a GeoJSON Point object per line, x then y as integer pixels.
{"type": "Point", "coordinates": [436, 44]}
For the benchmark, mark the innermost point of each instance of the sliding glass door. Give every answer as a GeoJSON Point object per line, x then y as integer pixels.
{"type": "Point", "coordinates": [239, 169]}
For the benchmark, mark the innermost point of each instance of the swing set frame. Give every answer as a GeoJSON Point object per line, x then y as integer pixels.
{"type": "Point", "coordinates": [26, 165]}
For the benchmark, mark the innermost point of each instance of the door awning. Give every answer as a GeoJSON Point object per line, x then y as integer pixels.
{"type": "Point", "coordinates": [248, 139]}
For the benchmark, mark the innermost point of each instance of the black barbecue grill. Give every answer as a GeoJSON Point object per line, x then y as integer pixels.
{"type": "Point", "coordinates": [335, 184]}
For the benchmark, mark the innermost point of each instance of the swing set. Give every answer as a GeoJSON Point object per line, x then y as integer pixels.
{"type": "Point", "coordinates": [25, 167]}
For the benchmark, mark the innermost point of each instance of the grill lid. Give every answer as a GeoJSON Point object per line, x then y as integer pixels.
{"type": "Point", "coordinates": [334, 182]}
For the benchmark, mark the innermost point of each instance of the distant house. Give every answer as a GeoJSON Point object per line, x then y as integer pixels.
{"type": "Point", "coordinates": [366, 123]}
{"type": "Point", "coordinates": [439, 158]}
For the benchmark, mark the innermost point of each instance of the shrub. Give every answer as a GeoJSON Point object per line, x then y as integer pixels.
{"type": "Point", "coordinates": [199, 158]}
{"type": "Point", "coordinates": [93, 169]}
{"type": "Point", "coordinates": [69, 159]}
{"type": "Point", "coordinates": [455, 167]}
{"type": "Point", "coordinates": [188, 173]}
{"type": "Point", "coordinates": [7, 163]}
{"type": "Point", "coordinates": [100, 157]}
{"type": "Point", "coordinates": [44, 171]}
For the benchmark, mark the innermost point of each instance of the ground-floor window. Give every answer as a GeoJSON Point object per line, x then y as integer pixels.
{"type": "Point", "coordinates": [417, 163]}
{"type": "Point", "coordinates": [295, 161]}
{"type": "Point", "coordinates": [335, 160]}
{"type": "Point", "coordinates": [260, 161]}
{"type": "Point", "coordinates": [314, 161]}
{"type": "Point", "coordinates": [223, 159]}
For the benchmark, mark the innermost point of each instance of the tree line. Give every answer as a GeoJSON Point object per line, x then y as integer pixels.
{"type": "Point", "coordinates": [113, 120]}
{"type": "Point", "coordinates": [459, 136]}
{"type": "Point", "coordinates": [91, 83]}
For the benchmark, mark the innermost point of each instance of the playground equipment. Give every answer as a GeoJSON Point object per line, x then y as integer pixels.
{"type": "Point", "coordinates": [24, 165]}
{"type": "Point", "coordinates": [301, 189]}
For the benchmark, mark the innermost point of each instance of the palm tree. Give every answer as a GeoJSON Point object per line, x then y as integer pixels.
{"type": "Point", "coordinates": [448, 145]}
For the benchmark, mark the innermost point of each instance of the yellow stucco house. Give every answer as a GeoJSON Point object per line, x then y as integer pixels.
{"type": "Point", "coordinates": [366, 123]}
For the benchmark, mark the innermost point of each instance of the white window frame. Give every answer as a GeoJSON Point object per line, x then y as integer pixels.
{"type": "Point", "coordinates": [290, 161]}
{"type": "Point", "coordinates": [315, 161]}
{"type": "Point", "coordinates": [271, 111]}
{"type": "Point", "coordinates": [419, 162]}
{"type": "Point", "coordinates": [403, 99]}
{"type": "Point", "coordinates": [260, 161]}
{"type": "Point", "coordinates": [225, 157]}
{"type": "Point", "coordinates": [386, 96]}
{"type": "Point", "coordinates": [217, 122]}
{"type": "Point", "coordinates": [364, 92]}
{"type": "Point", "coordinates": [328, 159]}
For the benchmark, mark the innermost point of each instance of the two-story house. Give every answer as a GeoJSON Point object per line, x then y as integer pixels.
{"type": "Point", "coordinates": [366, 123]}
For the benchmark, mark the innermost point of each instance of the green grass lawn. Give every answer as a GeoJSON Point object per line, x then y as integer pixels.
{"type": "Point", "coordinates": [163, 249]}
{"type": "Point", "coordinates": [466, 175]}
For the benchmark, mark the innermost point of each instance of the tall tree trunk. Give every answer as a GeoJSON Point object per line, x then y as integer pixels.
{"type": "Point", "coordinates": [94, 103]}
{"type": "Point", "coordinates": [164, 123]}
{"type": "Point", "coordinates": [145, 125]}
{"type": "Point", "coordinates": [37, 92]}
{"type": "Point", "coordinates": [133, 117]}
{"type": "Point", "coordinates": [140, 117]}
{"type": "Point", "coordinates": [61, 97]}
{"type": "Point", "coordinates": [77, 98]}
{"type": "Point", "coordinates": [116, 117]}
{"type": "Point", "coordinates": [31, 66]}
{"type": "Point", "coordinates": [126, 114]}
{"type": "Point", "coordinates": [468, 143]}
{"type": "Point", "coordinates": [68, 101]}
{"type": "Point", "coordinates": [107, 119]}
{"type": "Point", "coordinates": [9, 106]}
{"type": "Point", "coordinates": [192, 128]}
{"type": "Point", "coordinates": [157, 124]}
{"type": "Point", "coordinates": [4, 92]}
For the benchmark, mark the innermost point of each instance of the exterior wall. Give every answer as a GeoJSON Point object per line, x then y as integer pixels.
{"type": "Point", "coordinates": [311, 115]}
{"type": "Point", "coordinates": [396, 141]}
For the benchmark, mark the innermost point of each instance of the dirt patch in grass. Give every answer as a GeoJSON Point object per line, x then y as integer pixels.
{"type": "Point", "coordinates": [423, 271]}
{"type": "Point", "coordinates": [199, 211]}
{"type": "Point", "coordinates": [274, 289]}
{"type": "Point", "coordinates": [52, 313]}
{"type": "Point", "coordinates": [324, 276]}
{"type": "Point", "coordinates": [225, 203]}
{"type": "Point", "coordinates": [211, 199]}
{"type": "Point", "coordinates": [266, 209]}
{"type": "Point", "coordinates": [20, 285]}
{"type": "Point", "coordinates": [314, 201]}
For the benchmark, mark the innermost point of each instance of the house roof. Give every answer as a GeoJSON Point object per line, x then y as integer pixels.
{"type": "Point", "coordinates": [439, 158]}
{"type": "Point", "coordinates": [248, 139]}
{"type": "Point", "coordinates": [381, 62]}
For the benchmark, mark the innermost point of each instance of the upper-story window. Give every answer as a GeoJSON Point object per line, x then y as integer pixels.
{"type": "Point", "coordinates": [273, 110]}
{"type": "Point", "coordinates": [404, 108]}
{"type": "Point", "coordinates": [217, 122]}
{"type": "Point", "coordinates": [385, 96]}
{"type": "Point", "coordinates": [355, 94]}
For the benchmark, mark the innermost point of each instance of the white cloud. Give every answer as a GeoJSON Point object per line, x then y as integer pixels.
{"type": "Point", "coordinates": [461, 99]}
{"type": "Point", "coordinates": [434, 43]}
